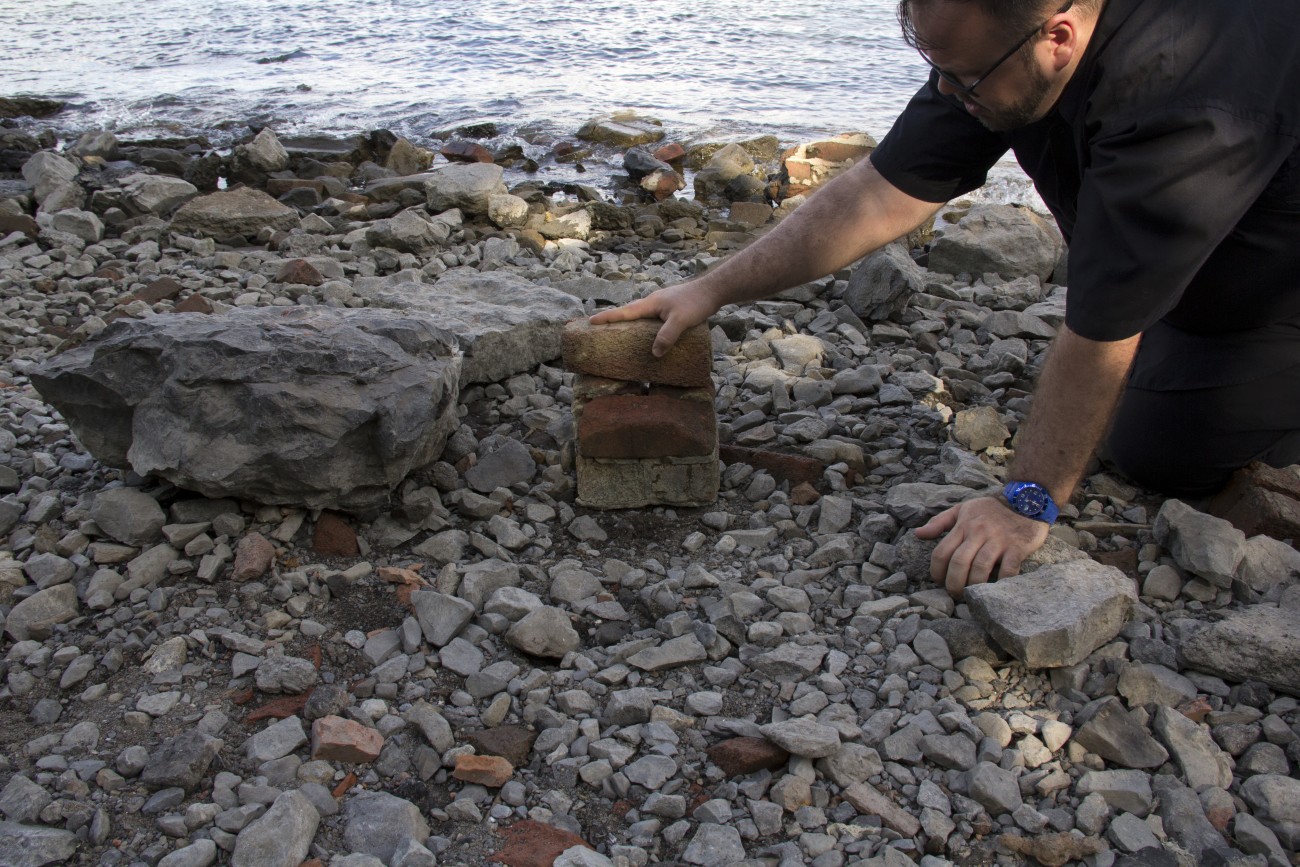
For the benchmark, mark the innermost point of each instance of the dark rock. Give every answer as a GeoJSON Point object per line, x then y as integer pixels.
{"type": "Point", "coordinates": [512, 743]}
{"type": "Point", "coordinates": [739, 756]}
{"type": "Point", "coordinates": [181, 761]}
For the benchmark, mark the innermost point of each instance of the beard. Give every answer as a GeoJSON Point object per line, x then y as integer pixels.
{"type": "Point", "coordinates": [1025, 110]}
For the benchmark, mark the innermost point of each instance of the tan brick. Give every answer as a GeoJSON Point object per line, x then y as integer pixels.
{"type": "Point", "coordinates": [336, 739]}
{"type": "Point", "coordinates": [629, 484]}
{"type": "Point", "coordinates": [621, 350]}
{"type": "Point", "coordinates": [647, 426]}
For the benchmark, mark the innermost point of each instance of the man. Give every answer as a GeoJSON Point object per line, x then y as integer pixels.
{"type": "Point", "coordinates": [1162, 134]}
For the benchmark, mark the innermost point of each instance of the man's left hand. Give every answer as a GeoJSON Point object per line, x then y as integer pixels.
{"type": "Point", "coordinates": [982, 535]}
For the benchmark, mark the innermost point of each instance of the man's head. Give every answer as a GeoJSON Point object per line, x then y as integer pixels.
{"type": "Point", "coordinates": [1006, 60]}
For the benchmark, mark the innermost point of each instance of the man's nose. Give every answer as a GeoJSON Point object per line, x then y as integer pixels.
{"type": "Point", "coordinates": [945, 86]}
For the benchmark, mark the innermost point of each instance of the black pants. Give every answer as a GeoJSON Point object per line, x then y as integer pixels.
{"type": "Point", "coordinates": [1187, 443]}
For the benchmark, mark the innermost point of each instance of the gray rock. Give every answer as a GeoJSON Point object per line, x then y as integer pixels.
{"type": "Point", "coordinates": [441, 617]}
{"type": "Point", "coordinates": [504, 324]}
{"type": "Point", "coordinates": [650, 772]}
{"type": "Point", "coordinates": [158, 195]}
{"type": "Point", "coordinates": [1145, 683]}
{"type": "Point", "coordinates": [1202, 544]}
{"type": "Point", "coordinates": [509, 464]}
{"type": "Point", "coordinates": [791, 662]}
{"type": "Point", "coordinates": [53, 179]}
{"type": "Point", "coordinates": [1254, 837]}
{"type": "Point", "coordinates": [22, 800]}
{"type": "Point", "coordinates": [545, 632]}
{"type": "Point", "coordinates": [31, 846]}
{"type": "Point", "coordinates": [483, 579]}
{"type": "Point", "coordinates": [262, 404]}
{"type": "Point", "coordinates": [1121, 790]}
{"type": "Point", "coordinates": [629, 707]}
{"type": "Point", "coordinates": [433, 725]}
{"type": "Point", "coordinates": [377, 823]}
{"type": "Point", "coordinates": [1009, 240]}
{"type": "Point", "coordinates": [911, 503]}
{"type": "Point", "coordinates": [287, 674]}
{"type": "Point", "coordinates": [181, 762]}
{"type": "Point", "coordinates": [714, 846]}
{"type": "Point", "coordinates": [276, 740]}
{"type": "Point", "coordinates": [129, 515]}
{"type": "Point", "coordinates": [1055, 616]}
{"type": "Point", "coordinates": [81, 224]}
{"type": "Point", "coordinates": [411, 231]}
{"type": "Point", "coordinates": [994, 788]}
{"type": "Point", "coordinates": [956, 752]}
{"type": "Point", "coordinates": [884, 283]}
{"type": "Point", "coordinates": [1105, 728]}
{"type": "Point", "coordinates": [581, 856]}
{"type": "Point", "coordinates": [233, 213]}
{"type": "Point", "coordinates": [1131, 834]}
{"type": "Point", "coordinates": [1184, 818]}
{"type": "Point", "coordinates": [980, 428]}
{"type": "Point", "coordinates": [48, 570]}
{"type": "Point", "coordinates": [465, 186]}
{"type": "Point", "coordinates": [1256, 643]}
{"type": "Point", "coordinates": [1275, 800]}
{"type": "Point", "coordinates": [1200, 758]}
{"type": "Point", "coordinates": [38, 614]}
{"type": "Point", "coordinates": [200, 853]}
{"type": "Point", "coordinates": [1268, 562]}
{"type": "Point", "coordinates": [803, 737]}
{"type": "Point", "coordinates": [931, 647]}
{"type": "Point", "coordinates": [281, 837]}
{"type": "Point", "coordinates": [265, 152]}
{"type": "Point", "coordinates": [676, 652]}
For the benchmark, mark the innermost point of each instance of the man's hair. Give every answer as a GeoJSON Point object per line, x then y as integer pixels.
{"type": "Point", "coordinates": [1017, 16]}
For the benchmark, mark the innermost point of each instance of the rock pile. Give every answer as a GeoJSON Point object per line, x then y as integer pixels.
{"type": "Point", "coordinates": [485, 668]}
{"type": "Point", "coordinates": [647, 432]}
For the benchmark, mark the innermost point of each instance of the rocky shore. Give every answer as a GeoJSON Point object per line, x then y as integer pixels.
{"type": "Point", "coordinates": [460, 663]}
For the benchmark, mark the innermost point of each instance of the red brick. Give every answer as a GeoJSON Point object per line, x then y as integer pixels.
{"type": "Point", "coordinates": [253, 558]}
{"type": "Point", "coordinates": [670, 153]}
{"type": "Point", "coordinates": [162, 289]}
{"type": "Point", "coordinates": [647, 426]}
{"type": "Point", "coordinates": [336, 739]}
{"type": "Point", "coordinates": [533, 844]}
{"type": "Point", "coordinates": [300, 272]}
{"type": "Point", "coordinates": [333, 537]}
{"type": "Point", "coordinates": [794, 469]}
{"type": "Point", "coordinates": [194, 304]}
{"type": "Point", "coordinates": [491, 771]}
{"type": "Point", "coordinates": [621, 350]}
{"type": "Point", "coordinates": [466, 152]}
{"type": "Point", "coordinates": [739, 756]}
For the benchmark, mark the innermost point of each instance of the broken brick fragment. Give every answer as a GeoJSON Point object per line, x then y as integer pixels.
{"type": "Point", "coordinates": [491, 771]}
{"type": "Point", "coordinates": [336, 739]}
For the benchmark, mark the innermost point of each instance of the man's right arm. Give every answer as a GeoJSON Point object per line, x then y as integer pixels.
{"type": "Point", "coordinates": [851, 216]}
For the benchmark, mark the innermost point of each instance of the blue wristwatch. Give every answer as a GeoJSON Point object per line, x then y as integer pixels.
{"type": "Point", "coordinates": [1032, 501]}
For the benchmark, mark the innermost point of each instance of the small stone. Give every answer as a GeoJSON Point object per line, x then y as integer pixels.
{"type": "Point", "coordinates": [714, 846]}
{"type": "Point", "coordinates": [281, 837]}
{"type": "Point", "coordinates": [286, 674]}
{"type": "Point", "coordinates": [545, 632]}
{"type": "Point", "coordinates": [994, 788]}
{"type": "Point", "coordinates": [491, 771]}
{"type": "Point", "coordinates": [253, 557]}
{"type": "Point", "coordinates": [332, 537]}
{"type": "Point", "coordinates": [870, 802]}
{"type": "Point", "coordinates": [336, 739]}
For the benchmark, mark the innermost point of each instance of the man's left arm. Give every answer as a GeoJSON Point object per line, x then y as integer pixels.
{"type": "Point", "coordinates": [1073, 403]}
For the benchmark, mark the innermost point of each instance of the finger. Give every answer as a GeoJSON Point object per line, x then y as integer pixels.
{"type": "Point", "coordinates": [1011, 563]}
{"type": "Point", "coordinates": [954, 580]}
{"type": "Point", "coordinates": [667, 337]}
{"type": "Point", "coordinates": [939, 524]}
{"type": "Point", "coordinates": [941, 557]}
{"type": "Point", "coordinates": [981, 568]}
{"type": "Point", "coordinates": [642, 308]}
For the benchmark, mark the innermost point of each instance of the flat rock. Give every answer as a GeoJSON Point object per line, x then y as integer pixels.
{"type": "Point", "coordinates": [441, 617]}
{"type": "Point", "coordinates": [34, 846]}
{"type": "Point", "coordinates": [504, 324]}
{"type": "Point", "coordinates": [335, 739]}
{"type": "Point", "coordinates": [803, 737]}
{"type": "Point", "coordinates": [1255, 643]}
{"type": "Point", "coordinates": [181, 762]}
{"type": "Point", "coordinates": [676, 652]}
{"type": "Point", "coordinates": [262, 404]}
{"type": "Point", "coordinates": [229, 213]}
{"type": "Point", "coordinates": [1106, 728]}
{"type": "Point", "coordinates": [869, 801]}
{"type": "Point", "coordinates": [621, 350]}
{"type": "Point", "coordinates": [1202, 544]}
{"type": "Point", "coordinates": [1055, 616]}
{"type": "Point", "coordinates": [1202, 762]}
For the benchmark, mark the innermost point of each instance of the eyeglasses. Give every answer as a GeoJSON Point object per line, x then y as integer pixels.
{"type": "Point", "coordinates": [969, 89]}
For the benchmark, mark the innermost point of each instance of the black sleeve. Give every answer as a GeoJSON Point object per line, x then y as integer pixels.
{"type": "Point", "coordinates": [1161, 193]}
{"type": "Point", "coordinates": [936, 151]}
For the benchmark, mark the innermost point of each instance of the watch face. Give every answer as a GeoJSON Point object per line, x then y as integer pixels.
{"type": "Point", "coordinates": [1030, 501]}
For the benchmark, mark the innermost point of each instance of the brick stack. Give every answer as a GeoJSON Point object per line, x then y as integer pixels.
{"type": "Point", "coordinates": [647, 432]}
{"type": "Point", "coordinates": [1262, 499]}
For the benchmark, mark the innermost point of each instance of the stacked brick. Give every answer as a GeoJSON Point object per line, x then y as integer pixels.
{"type": "Point", "coordinates": [647, 432]}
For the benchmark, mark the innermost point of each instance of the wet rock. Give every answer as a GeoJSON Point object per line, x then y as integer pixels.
{"type": "Point", "coordinates": [621, 130]}
{"type": "Point", "coordinates": [1057, 615]}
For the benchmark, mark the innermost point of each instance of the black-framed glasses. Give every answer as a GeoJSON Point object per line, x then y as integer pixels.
{"type": "Point", "coordinates": [969, 89]}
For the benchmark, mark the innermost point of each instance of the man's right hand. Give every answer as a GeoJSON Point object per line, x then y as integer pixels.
{"type": "Point", "coordinates": [680, 306]}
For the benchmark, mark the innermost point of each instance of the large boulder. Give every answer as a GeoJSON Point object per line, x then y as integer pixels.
{"type": "Point", "coordinates": [1256, 643]}
{"type": "Point", "coordinates": [229, 213]}
{"type": "Point", "coordinates": [505, 324]}
{"type": "Point", "coordinates": [156, 194]}
{"type": "Point", "coordinates": [884, 283]}
{"type": "Point", "coordinates": [316, 406]}
{"type": "Point", "coordinates": [467, 186]}
{"type": "Point", "coordinates": [1001, 239]}
{"type": "Point", "coordinates": [622, 129]}
{"type": "Point", "coordinates": [54, 181]}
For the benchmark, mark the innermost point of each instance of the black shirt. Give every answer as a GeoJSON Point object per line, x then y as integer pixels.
{"type": "Point", "coordinates": [1171, 163]}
